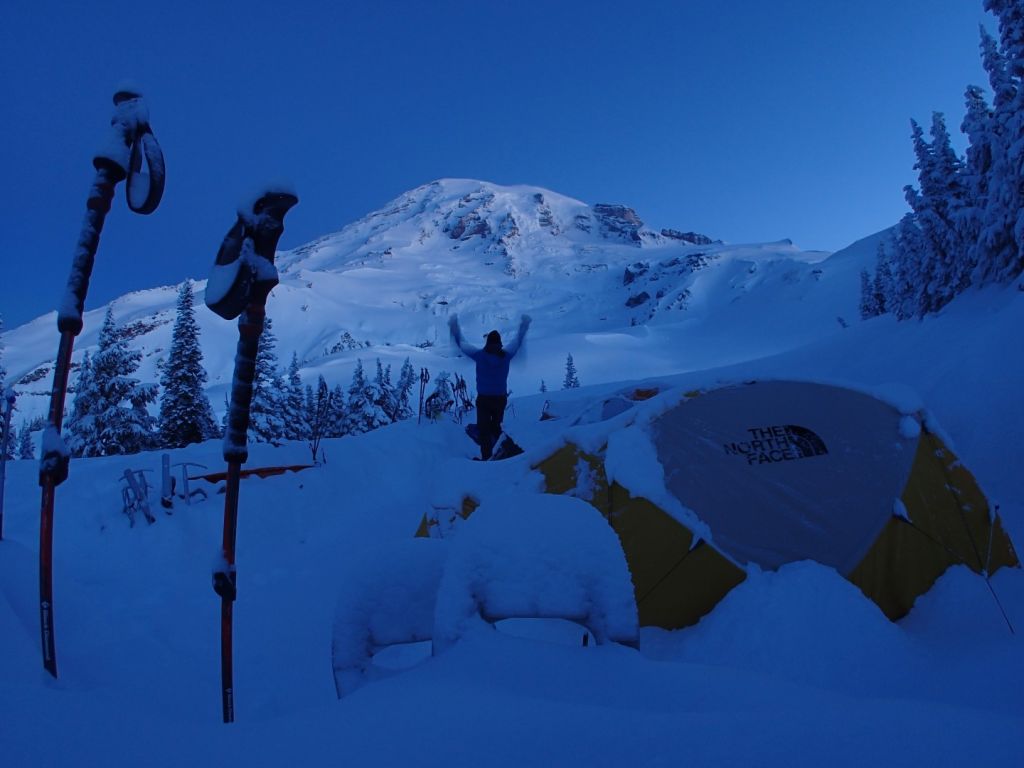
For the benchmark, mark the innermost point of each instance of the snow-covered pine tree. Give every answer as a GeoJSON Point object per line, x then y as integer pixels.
{"type": "Point", "coordinates": [8, 446]}
{"type": "Point", "coordinates": [26, 444]}
{"type": "Point", "coordinates": [571, 380]}
{"type": "Point", "coordinates": [383, 395]}
{"type": "Point", "coordinates": [998, 245]}
{"type": "Point", "coordinates": [1010, 13]}
{"type": "Point", "coordinates": [950, 201]}
{"type": "Point", "coordinates": [297, 424]}
{"type": "Point", "coordinates": [337, 413]}
{"type": "Point", "coordinates": [922, 270]}
{"type": "Point", "coordinates": [266, 411]}
{"type": "Point", "coordinates": [939, 195]}
{"type": "Point", "coordinates": [905, 298]}
{"type": "Point", "coordinates": [118, 420]}
{"type": "Point", "coordinates": [403, 391]}
{"type": "Point", "coordinates": [3, 370]}
{"type": "Point", "coordinates": [441, 399]}
{"type": "Point", "coordinates": [882, 285]}
{"type": "Point", "coordinates": [317, 413]}
{"type": "Point", "coordinates": [80, 428]}
{"type": "Point", "coordinates": [365, 409]}
{"type": "Point", "coordinates": [185, 413]}
{"type": "Point", "coordinates": [867, 296]}
{"type": "Point", "coordinates": [357, 411]}
{"type": "Point", "coordinates": [977, 126]}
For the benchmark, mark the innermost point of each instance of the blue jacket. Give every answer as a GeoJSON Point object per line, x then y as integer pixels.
{"type": "Point", "coordinates": [491, 363]}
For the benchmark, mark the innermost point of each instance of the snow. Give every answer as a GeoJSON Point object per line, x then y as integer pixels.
{"type": "Point", "coordinates": [793, 668]}
{"type": "Point", "coordinates": [523, 556]}
{"type": "Point", "coordinates": [222, 279]}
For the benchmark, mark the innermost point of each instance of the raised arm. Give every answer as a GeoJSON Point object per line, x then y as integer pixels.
{"type": "Point", "coordinates": [460, 342]}
{"type": "Point", "coordinates": [524, 325]}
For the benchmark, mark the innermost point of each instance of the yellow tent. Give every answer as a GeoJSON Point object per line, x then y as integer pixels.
{"type": "Point", "coordinates": [779, 471]}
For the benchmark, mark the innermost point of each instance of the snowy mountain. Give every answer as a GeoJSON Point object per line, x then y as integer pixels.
{"type": "Point", "coordinates": [385, 285]}
{"type": "Point", "coordinates": [794, 667]}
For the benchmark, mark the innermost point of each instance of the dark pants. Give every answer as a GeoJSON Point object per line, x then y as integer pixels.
{"type": "Point", "coordinates": [489, 411]}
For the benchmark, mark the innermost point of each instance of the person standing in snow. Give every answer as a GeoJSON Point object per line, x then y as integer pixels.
{"type": "Point", "coordinates": [492, 363]}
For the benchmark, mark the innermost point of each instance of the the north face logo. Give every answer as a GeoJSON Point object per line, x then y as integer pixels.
{"type": "Point", "coordinates": [767, 445]}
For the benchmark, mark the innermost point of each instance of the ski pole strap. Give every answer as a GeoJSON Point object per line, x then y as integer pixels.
{"type": "Point", "coordinates": [243, 272]}
{"type": "Point", "coordinates": [129, 142]}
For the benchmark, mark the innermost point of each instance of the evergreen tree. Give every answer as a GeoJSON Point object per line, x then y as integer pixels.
{"type": "Point", "coordinates": [1009, 263]}
{"type": "Point", "coordinates": [366, 402]}
{"type": "Point", "coordinates": [941, 271]}
{"type": "Point", "coordinates": [8, 446]}
{"type": "Point", "coordinates": [441, 399]}
{"type": "Point", "coordinates": [977, 126]}
{"type": "Point", "coordinates": [867, 297]}
{"type": "Point", "coordinates": [950, 204]}
{"type": "Point", "coordinates": [266, 411]}
{"type": "Point", "coordinates": [113, 417]}
{"type": "Point", "coordinates": [403, 392]}
{"type": "Point", "coordinates": [318, 415]}
{"type": "Point", "coordinates": [297, 423]}
{"type": "Point", "coordinates": [383, 396]}
{"type": "Point", "coordinates": [882, 286]}
{"type": "Point", "coordinates": [185, 413]}
{"type": "Point", "coordinates": [904, 301]}
{"type": "Point", "coordinates": [337, 413]}
{"type": "Point", "coordinates": [1003, 201]}
{"type": "Point", "coordinates": [571, 381]}
{"type": "Point", "coordinates": [922, 266]}
{"type": "Point", "coordinates": [3, 371]}
{"type": "Point", "coordinates": [358, 408]}
{"type": "Point", "coordinates": [80, 429]}
{"type": "Point", "coordinates": [26, 445]}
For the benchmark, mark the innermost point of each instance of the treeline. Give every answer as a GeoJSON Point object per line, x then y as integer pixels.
{"type": "Point", "coordinates": [111, 410]}
{"type": "Point", "coordinates": [966, 224]}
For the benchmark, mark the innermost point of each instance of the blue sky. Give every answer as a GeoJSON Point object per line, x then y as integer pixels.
{"type": "Point", "coordinates": [748, 121]}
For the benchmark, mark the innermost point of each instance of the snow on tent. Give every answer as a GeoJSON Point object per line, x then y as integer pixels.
{"type": "Point", "coordinates": [522, 556]}
{"type": "Point", "coordinates": [767, 473]}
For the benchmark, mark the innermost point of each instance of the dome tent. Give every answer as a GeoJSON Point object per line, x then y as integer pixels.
{"type": "Point", "coordinates": [771, 472]}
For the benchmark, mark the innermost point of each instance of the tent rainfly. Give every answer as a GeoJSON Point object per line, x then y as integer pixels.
{"type": "Point", "coordinates": [781, 471]}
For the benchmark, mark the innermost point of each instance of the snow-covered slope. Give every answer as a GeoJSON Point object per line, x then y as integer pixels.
{"type": "Point", "coordinates": [793, 668]}
{"type": "Point", "coordinates": [591, 277]}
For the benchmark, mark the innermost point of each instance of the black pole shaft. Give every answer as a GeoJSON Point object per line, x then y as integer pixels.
{"type": "Point", "coordinates": [250, 327]}
{"type": "Point", "coordinates": [228, 595]}
{"type": "Point", "coordinates": [53, 466]}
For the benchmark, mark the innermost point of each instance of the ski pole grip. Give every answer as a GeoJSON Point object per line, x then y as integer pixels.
{"type": "Point", "coordinates": [128, 141]}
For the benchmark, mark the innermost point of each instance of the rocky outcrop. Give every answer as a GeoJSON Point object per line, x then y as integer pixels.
{"type": "Point", "coordinates": [618, 222]}
{"type": "Point", "coordinates": [637, 299]}
{"type": "Point", "coordinates": [659, 287]}
{"type": "Point", "coordinates": [692, 238]}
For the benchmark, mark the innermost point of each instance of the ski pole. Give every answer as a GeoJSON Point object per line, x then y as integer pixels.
{"type": "Point", "coordinates": [242, 278]}
{"type": "Point", "coordinates": [424, 378]}
{"type": "Point", "coordinates": [130, 140]}
{"type": "Point", "coordinates": [7, 405]}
